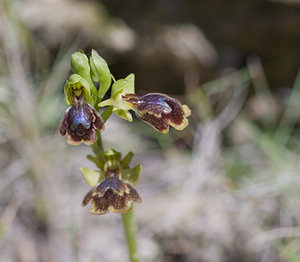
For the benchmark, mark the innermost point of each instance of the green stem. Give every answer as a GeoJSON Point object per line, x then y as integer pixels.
{"type": "Point", "coordinates": [97, 147]}
{"type": "Point", "coordinates": [107, 113]}
{"type": "Point", "coordinates": [129, 230]}
{"type": "Point", "coordinates": [127, 218]}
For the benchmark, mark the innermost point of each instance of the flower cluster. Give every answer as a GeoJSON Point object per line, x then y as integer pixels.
{"type": "Point", "coordinates": [156, 109]}
{"type": "Point", "coordinates": [113, 185]}
{"type": "Point", "coordinates": [81, 119]}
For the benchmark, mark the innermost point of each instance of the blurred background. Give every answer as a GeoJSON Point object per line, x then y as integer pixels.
{"type": "Point", "coordinates": [226, 189]}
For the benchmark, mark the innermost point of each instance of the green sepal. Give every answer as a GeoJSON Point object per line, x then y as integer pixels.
{"type": "Point", "coordinates": [100, 73]}
{"type": "Point", "coordinates": [132, 175]}
{"type": "Point", "coordinates": [130, 88]}
{"type": "Point", "coordinates": [126, 160]}
{"type": "Point", "coordinates": [73, 85]}
{"type": "Point", "coordinates": [119, 86]}
{"type": "Point", "coordinates": [125, 86]}
{"type": "Point", "coordinates": [96, 161]}
{"type": "Point", "coordinates": [92, 177]}
{"type": "Point", "coordinates": [80, 64]}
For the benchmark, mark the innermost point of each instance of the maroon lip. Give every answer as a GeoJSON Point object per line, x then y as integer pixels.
{"type": "Point", "coordinates": [80, 122]}
{"type": "Point", "coordinates": [159, 111]}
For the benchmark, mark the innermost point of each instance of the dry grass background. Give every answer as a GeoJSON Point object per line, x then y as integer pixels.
{"type": "Point", "coordinates": [225, 189]}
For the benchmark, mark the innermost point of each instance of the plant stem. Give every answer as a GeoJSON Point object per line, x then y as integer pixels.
{"type": "Point", "coordinates": [97, 147]}
{"type": "Point", "coordinates": [129, 230]}
{"type": "Point", "coordinates": [127, 218]}
{"type": "Point", "coordinates": [107, 113]}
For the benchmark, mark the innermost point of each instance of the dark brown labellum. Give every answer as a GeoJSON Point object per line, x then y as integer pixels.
{"type": "Point", "coordinates": [79, 123]}
{"type": "Point", "coordinates": [160, 111]}
{"type": "Point", "coordinates": [111, 195]}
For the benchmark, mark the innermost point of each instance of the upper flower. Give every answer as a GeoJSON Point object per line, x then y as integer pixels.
{"type": "Point", "coordinates": [159, 111]}
{"type": "Point", "coordinates": [79, 123]}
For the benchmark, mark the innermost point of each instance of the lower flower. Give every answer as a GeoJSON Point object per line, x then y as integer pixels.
{"type": "Point", "coordinates": [79, 123]}
{"type": "Point", "coordinates": [113, 195]}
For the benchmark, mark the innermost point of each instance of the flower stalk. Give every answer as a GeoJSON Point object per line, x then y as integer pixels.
{"type": "Point", "coordinates": [129, 226]}
{"type": "Point", "coordinates": [128, 220]}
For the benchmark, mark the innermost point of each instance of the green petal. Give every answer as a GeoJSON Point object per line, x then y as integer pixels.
{"type": "Point", "coordinates": [119, 86]}
{"type": "Point", "coordinates": [92, 177]}
{"type": "Point", "coordinates": [130, 88]}
{"type": "Point", "coordinates": [74, 78]}
{"type": "Point", "coordinates": [126, 160]}
{"type": "Point", "coordinates": [68, 92]}
{"type": "Point", "coordinates": [87, 87]}
{"type": "Point", "coordinates": [132, 175]}
{"type": "Point", "coordinates": [107, 102]}
{"type": "Point", "coordinates": [124, 114]}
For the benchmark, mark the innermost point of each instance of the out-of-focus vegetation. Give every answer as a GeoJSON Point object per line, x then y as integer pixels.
{"type": "Point", "coordinates": [224, 190]}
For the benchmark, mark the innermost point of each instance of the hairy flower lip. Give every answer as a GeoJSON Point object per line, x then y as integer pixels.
{"type": "Point", "coordinates": [159, 110]}
{"type": "Point", "coordinates": [112, 194]}
{"type": "Point", "coordinates": [79, 123]}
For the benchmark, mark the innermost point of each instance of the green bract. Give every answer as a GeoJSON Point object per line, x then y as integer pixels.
{"type": "Point", "coordinates": [100, 73]}
{"type": "Point", "coordinates": [120, 88]}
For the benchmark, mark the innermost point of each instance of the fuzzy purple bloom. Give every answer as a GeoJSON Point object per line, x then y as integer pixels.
{"type": "Point", "coordinates": [112, 194]}
{"type": "Point", "coordinates": [159, 111]}
{"type": "Point", "coordinates": [80, 122]}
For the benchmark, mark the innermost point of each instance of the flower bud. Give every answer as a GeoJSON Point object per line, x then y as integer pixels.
{"type": "Point", "coordinates": [100, 73]}
{"type": "Point", "coordinates": [80, 64]}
